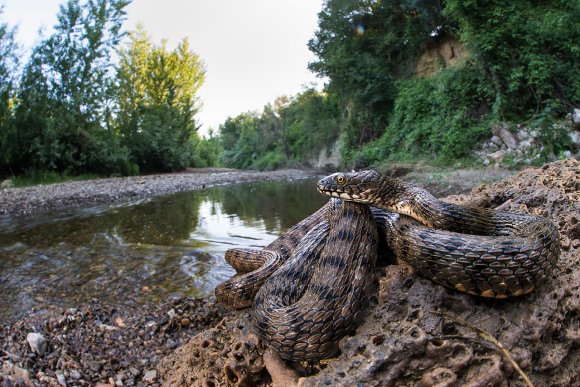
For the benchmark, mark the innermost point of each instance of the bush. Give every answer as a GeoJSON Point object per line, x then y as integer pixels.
{"type": "Point", "coordinates": [270, 161]}
{"type": "Point", "coordinates": [442, 117]}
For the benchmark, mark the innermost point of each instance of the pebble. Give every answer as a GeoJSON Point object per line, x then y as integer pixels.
{"type": "Point", "coordinates": [61, 379]}
{"type": "Point", "coordinates": [21, 373]}
{"type": "Point", "coordinates": [37, 342]}
{"type": "Point", "coordinates": [134, 371]}
{"type": "Point", "coordinates": [171, 344]}
{"type": "Point", "coordinates": [150, 376]}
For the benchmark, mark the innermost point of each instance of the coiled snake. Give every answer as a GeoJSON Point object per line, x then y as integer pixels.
{"type": "Point", "coordinates": [316, 295]}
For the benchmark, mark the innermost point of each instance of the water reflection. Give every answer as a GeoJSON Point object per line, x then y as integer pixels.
{"type": "Point", "coordinates": [145, 250]}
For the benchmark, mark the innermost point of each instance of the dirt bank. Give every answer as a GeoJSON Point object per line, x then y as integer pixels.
{"type": "Point", "coordinates": [417, 332]}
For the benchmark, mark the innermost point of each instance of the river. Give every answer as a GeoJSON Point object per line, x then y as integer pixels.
{"type": "Point", "coordinates": [142, 251]}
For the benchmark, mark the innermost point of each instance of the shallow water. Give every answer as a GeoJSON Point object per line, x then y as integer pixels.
{"type": "Point", "coordinates": [142, 251]}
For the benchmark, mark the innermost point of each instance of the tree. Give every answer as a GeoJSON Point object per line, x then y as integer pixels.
{"type": "Point", "coordinates": [65, 98]}
{"type": "Point", "coordinates": [157, 99]}
{"type": "Point", "coordinates": [529, 48]}
{"type": "Point", "coordinates": [364, 47]}
{"type": "Point", "coordinates": [8, 64]}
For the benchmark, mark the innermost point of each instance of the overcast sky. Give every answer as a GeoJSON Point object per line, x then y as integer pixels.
{"type": "Point", "coordinates": [254, 50]}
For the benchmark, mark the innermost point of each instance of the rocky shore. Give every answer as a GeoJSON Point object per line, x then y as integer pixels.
{"type": "Point", "coordinates": [415, 331]}
{"type": "Point", "coordinates": [41, 198]}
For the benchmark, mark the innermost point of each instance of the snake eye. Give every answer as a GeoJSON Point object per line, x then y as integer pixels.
{"type": "Point", "coordinates": [340, 179]}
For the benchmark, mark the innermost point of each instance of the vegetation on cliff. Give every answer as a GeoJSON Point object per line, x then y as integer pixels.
{"type": "Point", "coordinates": [506, 62]}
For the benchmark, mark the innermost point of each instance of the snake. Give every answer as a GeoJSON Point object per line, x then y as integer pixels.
{"type": "Point", "coordinates": [480, 251]}
{"type": "Point", "coordinates": [310, 288]}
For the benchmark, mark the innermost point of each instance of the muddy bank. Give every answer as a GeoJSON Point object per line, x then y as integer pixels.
{"type": "Point", "coordinates": [41, 198]}
{"type": "Point", "coordinates": [417, 332]}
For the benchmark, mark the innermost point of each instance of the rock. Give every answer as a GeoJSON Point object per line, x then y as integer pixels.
{"type": "Point", "coordinates": [150, 376]}
{"type": "Point", "coordinates": [61, 379]}
{"type": "Point", "coordinates": [6, 184]}
{"type": "Point", "coordinates": [496, 140]}
{"type": "Point", "coordinates": [38, 343]}
{"type": "Point", "coordinates": [575, 137]}
{"type": "Point", "coordinates": [576, 117]}
{"type": "Point", "coordinates": [497, 156]}
{"type": "Point", "coordinates": [522, 134]}
{"type": "Point", "coordinates": [75, 374]}
{"type": "Point", "coordinates": [505, 135]}
{"type": "Point", "coordinates": [171, 344]}
{"type": "Point", "coordinates": [524, 145]}
{"type": "Point", "coordinates": [134, 371]}
{"type": "Point", "coordinates": [22, 374]}
{"type": "Point", "coordinates": [492, 148]}
{"type": "Point", "coordinates": [7, 367]}
{"type": "Point", "coordinates": [109, 328]}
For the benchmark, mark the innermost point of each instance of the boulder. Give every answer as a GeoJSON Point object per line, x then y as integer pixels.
{"type": "Point", "coordinates": [503, 132]}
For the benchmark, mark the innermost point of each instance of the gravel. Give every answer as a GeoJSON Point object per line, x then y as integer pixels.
{"type": "Point", "coordinates": [42, 198]}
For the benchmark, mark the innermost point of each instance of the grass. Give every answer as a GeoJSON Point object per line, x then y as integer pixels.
{"type": "Point", "coordinates": [43, 178]}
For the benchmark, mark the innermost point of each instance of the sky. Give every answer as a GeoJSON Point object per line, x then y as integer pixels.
{"type": "Point", "coordinates": [254, 50]}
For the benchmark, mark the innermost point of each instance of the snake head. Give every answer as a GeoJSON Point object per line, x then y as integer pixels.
{"type": "Point", "coordinates": [359, 187]}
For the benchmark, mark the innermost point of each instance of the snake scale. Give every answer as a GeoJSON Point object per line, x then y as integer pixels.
{"type": "Point", "coordinates": [315, 292]}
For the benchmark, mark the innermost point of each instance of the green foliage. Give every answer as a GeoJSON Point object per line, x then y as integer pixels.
{"type": "Point", "coordinates": [552, 133]}
{"type": "Point", "coordinates": [270, 161]}
{"type": "Point", "coordinates": [8, 63]}
{"type": "Point", "coordinates": [72, 113]}
{"type": "Point", "coordinates": [157, 103]}
{"type": "Point", "coordinates": [35, 177]}
{"type": "Point", "coordinates": [287, 133]}
{"type": "Point", "coordinates": [438, 117]}
{"type": "Point", "coordinates": [61, 121]}
{"type": "Point", "coordinates": [364, 47]}
{"type": "Point", "coordinates": [529, 48]}
{"type": "Point", "coordinates": [208, 151]}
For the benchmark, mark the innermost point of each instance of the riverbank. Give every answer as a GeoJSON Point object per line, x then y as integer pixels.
{"type": "Point", "coordinates": [42, 198]}
{"type": "Point", "coordinates": [124, 344]}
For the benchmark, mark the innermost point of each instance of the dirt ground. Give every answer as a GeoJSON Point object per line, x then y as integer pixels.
{"type": "Point", "coordinates": [417, 332]}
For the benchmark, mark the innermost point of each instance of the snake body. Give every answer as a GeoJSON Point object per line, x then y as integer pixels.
{"type": "Point", "coordinates": [254, 266]}
{"type": "Point", "coordinates": [317, 296]}
{"type": "Point", "coordinates": [310, 286]}
{"type": "Point", "coordinates": [474, 250]}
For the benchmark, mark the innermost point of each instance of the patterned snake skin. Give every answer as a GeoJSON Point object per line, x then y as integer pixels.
{"type": "Point", "coordinates": [309, 287]}
{"type": "Point", "coordinates": [474, 250]}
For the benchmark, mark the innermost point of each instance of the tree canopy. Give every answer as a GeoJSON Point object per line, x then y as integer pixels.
{"type": "Point", "coordinates": [77, 109]}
